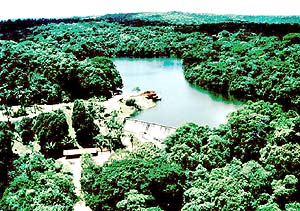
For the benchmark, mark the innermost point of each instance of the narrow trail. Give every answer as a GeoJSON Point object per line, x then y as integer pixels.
{"type": "Point", "coordinates": [100, 159]}
{"type": "Point", "coordinates": [76, 169]}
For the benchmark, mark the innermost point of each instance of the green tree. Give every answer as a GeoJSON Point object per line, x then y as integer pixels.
{"type": "Point", "coordinates": [51, 129]}
{"type": "Point", "coordinates": [115, 132]}
{"type": "Point", "coordinates": [38, 184]}
{"type": "Point", "coordinates": [25, 130]}
{"type": "Point", "coordinates": [216, 153]}
{"type": "Point", "coordinates": [192, 135]}
{"type": "Point", "coordinates": [249, 129]}
{"type": "Point", "coordinates": [285, 190]}
{"type": "Point", "coordinates": [83, 124]}
{"type": "Point", "coordinates": [101, 142]}
{"type": "Point", "coordinates": [144, 170]}
{"type": "Point", "coordinates": [285, 158]}
{"type": "Point", "coordinates": [135, 201]}
{"type": "Point", "coordinates": [192, 145]}
{"type": "Point", "coordinates": [235, 186]}
{"type": "Point", "coordinates": [6, 154]}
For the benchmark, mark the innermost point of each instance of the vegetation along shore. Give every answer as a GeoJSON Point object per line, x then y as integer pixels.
{"type": "Point", "coordinates": [59, 89]}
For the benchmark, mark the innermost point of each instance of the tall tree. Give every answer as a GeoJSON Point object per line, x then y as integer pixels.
{"type": "Point", "coordinates": [6, 154]}
{"type": "Point", "coordinates": [83, 124]}
{"type": "Point", "coordinates": [115, 131]}
{"type": "Point", "coordinates": [25, 130]}
{"type": "Point", "coordinates": [51, 129]}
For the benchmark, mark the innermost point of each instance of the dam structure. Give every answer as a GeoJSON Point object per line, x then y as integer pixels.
{"type": "Point", "coordinates": [148, 131]}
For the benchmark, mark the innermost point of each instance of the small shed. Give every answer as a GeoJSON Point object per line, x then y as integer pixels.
{"type": "Point", "coordinates": [76, 153]}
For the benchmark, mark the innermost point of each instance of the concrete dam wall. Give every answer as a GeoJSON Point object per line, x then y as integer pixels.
{"type": "Point", "coordinates": [147, 130]}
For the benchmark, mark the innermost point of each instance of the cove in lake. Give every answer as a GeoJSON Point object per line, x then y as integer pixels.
{"type": "Point", "coordinates": [181, 102]}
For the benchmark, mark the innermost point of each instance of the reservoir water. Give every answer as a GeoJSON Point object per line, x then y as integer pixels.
{"type": "Point", "coordinates": [181, 103]}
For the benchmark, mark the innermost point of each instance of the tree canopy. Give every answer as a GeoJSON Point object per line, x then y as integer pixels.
{"type": "Point", "coordinates": [32, 73]}
{"type": "Point", "coordinates": [249, 163]}
{"type": "Point", "coordinates": [52, 131]}
{"type": "Point", "coordinates": [38, 184]}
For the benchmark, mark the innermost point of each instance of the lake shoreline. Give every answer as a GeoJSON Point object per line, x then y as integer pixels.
{"type": "Point", "coordinates": [181, 102]}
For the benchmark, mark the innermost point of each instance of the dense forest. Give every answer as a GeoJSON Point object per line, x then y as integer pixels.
{"type": "Point", "coordinates": [248, 67]}
{"type": "Point", "coordinates": [35, 74]}
{"type": "Point", "coordinates": [250, 163]}
{"type": "Point", "coordinates": [20, 28]}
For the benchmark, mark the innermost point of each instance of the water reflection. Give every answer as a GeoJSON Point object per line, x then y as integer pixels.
{"type": "Point", "coordinates": [181, 102]}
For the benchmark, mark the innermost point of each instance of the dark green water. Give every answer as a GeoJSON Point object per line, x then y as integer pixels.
{"type": "Point", "coordinates": [181, 102]}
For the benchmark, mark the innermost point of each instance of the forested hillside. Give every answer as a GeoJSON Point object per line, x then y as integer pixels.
{"type": "Point", "coordinates": [182, 18]}
{"type": "Point", "coordinates": [188, 22]}
{"type": "Point", "coordinates": [250, 163]}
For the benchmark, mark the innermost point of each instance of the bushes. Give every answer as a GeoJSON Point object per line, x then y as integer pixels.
{"type": "Point", "coordinates": [20, 112]}
{"type": "Point", "coordinates": [130, 102]}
